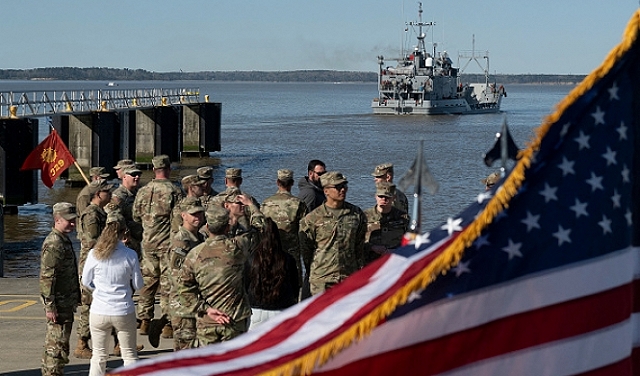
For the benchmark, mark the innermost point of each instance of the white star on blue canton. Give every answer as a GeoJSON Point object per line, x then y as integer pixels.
{"type": "Point", "coordinates": [513, 249]}
{"type": "Point", "coordinates": [549, 193]}
{"type": "Point", "coordinates": [483, 196]}
{"type": "Point", "coordinates": [629, 217]}
{"type": "Point", "coordinates": [452, 225]}
{"type": "Point", "coordinates": [605, 224]}
{"type": "Point", "coordinates": [565, 129]}
{"type": "Point", "coordinates": [531, 221]}
{"type": "Point", "coordinates": [562, 235]}
{"type": "Point", "coordinates": [598, 116]}
{"type": "Point", "coordinates": [622, 131]}
{"type": "Point", "coordinates": [566, 167]}
{"type": "Point", "coordinates": [613, 92]}
{"type": "Point", "coordinates": [616, 198]}
{"type": "Point", "coordinates": [595, 182]}
{"type": "Point", "coordinates": [583, 141]}
{"type": "Point", "coordinates": [580, 208]}
{"type": "Point", "coordinates": [422, 239]}
{"type": "Point", "coordinates": [482, 240]}
{"type": "Point", "coordinates": [415, 295]}
{"type": "Point", "coordinates": [625, 174]}
{"type": "Point", "coordinates": [610, 156]}
{"type": "Point", "coordinates": [462, 267]}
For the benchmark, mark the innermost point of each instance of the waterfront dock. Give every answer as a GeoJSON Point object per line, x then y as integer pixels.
{"type": "Point", "coordinates": [23, 328]}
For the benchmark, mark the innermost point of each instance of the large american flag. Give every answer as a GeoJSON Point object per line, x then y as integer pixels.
{"type": "Point", "coordinates": [537, 277]}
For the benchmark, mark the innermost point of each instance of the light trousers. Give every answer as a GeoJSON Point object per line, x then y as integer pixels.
{"type": "Point", "coordinates": [101, 327]}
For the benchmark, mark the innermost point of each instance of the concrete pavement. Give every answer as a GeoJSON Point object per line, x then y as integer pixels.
{"type": "Point", "coordinates": [22, 329]}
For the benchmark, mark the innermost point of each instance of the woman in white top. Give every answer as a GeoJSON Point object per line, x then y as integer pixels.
{"type": "Point", "coordinates": [112, 271]}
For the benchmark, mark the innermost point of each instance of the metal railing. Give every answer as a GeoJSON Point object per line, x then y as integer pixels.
{"type": "Point", "coordinates": [47, 103]}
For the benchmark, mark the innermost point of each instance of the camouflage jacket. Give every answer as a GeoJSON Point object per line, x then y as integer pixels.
{"type": "Point", "coordinates": [59, 286]}
{"type": "Point", "coordinates": [401, 202]}
{"type": "Point", "coordinates": [286, 211]}
{"type": "Point", "coordinates": [152, 207]}
{"type": "Point", "coordinates": [332, 242]}
{"type": "Point", "coordinates": [249, 226]}
{"type": "Point", "coordinates": [181, 243]}
{"type": "Point", "coordinates": [207, 199]}
{"type": "Point", "coordinates": [212, 276]}
{"type": "Point", "coordinates": [220, 197]}
{"type": "Point", "coordinates": [384, 229]}
{"type": "Point", "coordinates": [92, 222]}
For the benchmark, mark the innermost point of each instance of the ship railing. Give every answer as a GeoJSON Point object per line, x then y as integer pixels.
{"type": "Point", "coordinates": [46, 103]}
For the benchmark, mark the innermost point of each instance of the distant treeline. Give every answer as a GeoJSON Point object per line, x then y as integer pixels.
{"type": "Point", "coordinates": [113, 74]}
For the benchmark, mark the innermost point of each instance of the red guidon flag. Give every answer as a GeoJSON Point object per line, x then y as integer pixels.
{"type": "Point", "coordinates": [51, 156]}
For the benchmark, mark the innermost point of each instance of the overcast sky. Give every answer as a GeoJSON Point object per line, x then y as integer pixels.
{"type": "Point", "coordinates": [543, 36]}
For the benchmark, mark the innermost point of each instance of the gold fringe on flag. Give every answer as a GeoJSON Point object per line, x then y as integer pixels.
{"type": "Point", "coordinates": [450, 257]}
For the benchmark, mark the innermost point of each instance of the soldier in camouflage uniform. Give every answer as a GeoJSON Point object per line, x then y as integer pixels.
{"type": "Point", "coordinates": [59, 288]}
{"type": "Point", "coordinates": [286, 210]}
{"type": "Point", "coordinates": [386, 224]}
{"type": "Point", "coordinates": [211, 283]}
{"type": "Point", "coordinates": [232, 180]}
{"type": "Point", "coordinates": [332, 236]}
{"type": "Point", "coordinates": [152, 208]}
{"type": "Point", "coordinates": [206, 173]}
{"type": "Point", "coordinates": [92, 222]}
{"type": "Point", "coordinates": [121, 166]}
{"type": "Point", "coordinates": [245, 218]}
{"type": "Point", "coordinates": [124, 196]}
{"type": "Point", "coordinates": [193, 187]}
{"type": "Point", "coordinates": [185, 239]}
{"type": "Point", "coordinates": [384, 173]}
{"type": "Point", "coordinates": [97, 175]}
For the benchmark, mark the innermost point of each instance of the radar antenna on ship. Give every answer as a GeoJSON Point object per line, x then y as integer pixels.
{"type": "Point", "coordinates": [420, 47]}
{"type": "Point", "coordinates": [473, 56]}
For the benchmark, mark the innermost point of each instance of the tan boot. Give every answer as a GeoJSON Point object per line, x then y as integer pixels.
{"type": "Point", "coordinates": [167, 331]}
{"type": "Point", "coordinates": [82, 350]}
{"type": "Point", "coordinates": [144, 327]}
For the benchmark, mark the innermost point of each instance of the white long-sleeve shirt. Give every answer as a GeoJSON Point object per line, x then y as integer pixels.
{"type": "Point", "coordinates": [112, 280]}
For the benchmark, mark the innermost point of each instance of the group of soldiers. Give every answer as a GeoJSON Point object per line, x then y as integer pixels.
{"type": "Point", "coordinates": [193, 243]}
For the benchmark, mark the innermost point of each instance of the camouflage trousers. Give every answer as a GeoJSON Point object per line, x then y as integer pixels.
{"type": "Point", "coordinates": [82, 328]}
{"type": "Point", "coordinates": [154, 267]}
{"type": "Point", "coordinates": [208, 333]}
{"type": "Point", "coordinates": [184, 332]}
{"type": "Point", "coordinates": [56, 344]}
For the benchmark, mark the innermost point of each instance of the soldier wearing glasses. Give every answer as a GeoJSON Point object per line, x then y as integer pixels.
{"type": "Point", "coordinates": [332, 236]}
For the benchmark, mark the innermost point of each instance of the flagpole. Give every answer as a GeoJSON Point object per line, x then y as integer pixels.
{"type": "Point", "coordinates": [75, 163]}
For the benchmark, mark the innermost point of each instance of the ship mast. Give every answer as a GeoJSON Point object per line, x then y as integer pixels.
{"type": "Point", "coordinates": [420, 47]}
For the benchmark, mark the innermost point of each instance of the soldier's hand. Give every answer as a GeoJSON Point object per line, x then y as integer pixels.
{"type": "Point", "coordinates": [52, 316]}
{"type": "Point", "coordinates": [218, 316]}
{"type": "Point", "coordinates": [245, 199]}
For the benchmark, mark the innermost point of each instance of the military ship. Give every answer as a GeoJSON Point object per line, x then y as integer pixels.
{"type": "Point", "coordinates": [426, 82]}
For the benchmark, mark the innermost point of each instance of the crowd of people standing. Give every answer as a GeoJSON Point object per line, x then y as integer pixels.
{"type": "Point", "coordinates": [221, 263]}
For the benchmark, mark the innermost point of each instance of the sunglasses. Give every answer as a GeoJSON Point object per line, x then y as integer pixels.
{"type": "Point", "coordinates": [340, 187]}
{"type": "Point", "coordinates": [320, 173]}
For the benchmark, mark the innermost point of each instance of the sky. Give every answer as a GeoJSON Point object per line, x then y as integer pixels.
{"type": "Point", "coordinates": [537, 37]}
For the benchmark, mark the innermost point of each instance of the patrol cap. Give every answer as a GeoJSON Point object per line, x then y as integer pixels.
{"type": "Point", "coordinates": [98, 171]}
{"type": "Point", "coordinates": [386, 189]}
{"type": "Point", "coordinates": [190, 180]}
{"type": "Point", "coordinates": [116, 217]}
{"type": "Point", "coordinates": [66, 210]}
{"type": "Point", "coordinates": [382, 169]}
{"type": "Point", "coordinates": [205, 172]}
{"type": "Point", "coordinates": [285, 175]}
{"type": "Point", "coordinates": [161, 161]}
{"type": "Point", "coordinates": [232, 195]}
{"type": "Point", "coordinates": [191, 205]}
{"type": "Point", "coordinates": [101, 186]}
{"type": "Point", "coordinates": [332, 178]}
{"type": "Point", "coordinates": [131, 170]}
{"type": "Point", "coordinates": [233, 173]}
{"type": "Point", "coordinates": [216, 216]}
{"type": "Point", "coordinates": [123, 163]}
{"type": "Point", "coordinates": [491, 179]}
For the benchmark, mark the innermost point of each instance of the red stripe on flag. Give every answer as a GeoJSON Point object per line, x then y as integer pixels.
{"type": "Point", "coordinates": [501, 337]}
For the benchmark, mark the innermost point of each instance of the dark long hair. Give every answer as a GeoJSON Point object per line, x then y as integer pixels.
{"type": "Point", "coordinates": [267, 266]}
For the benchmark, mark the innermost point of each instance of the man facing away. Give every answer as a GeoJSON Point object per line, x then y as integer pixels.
{"type": "Point", "coordinates": [152, 208]}
{"type": "Point", "coordinates": [59, 288]}
{"type": "Point", "coordinates": [310, 189]}
{"type": "Point", "coordinates": [286, 211]}
{"type": "Point", "coordinates": [332, 236]}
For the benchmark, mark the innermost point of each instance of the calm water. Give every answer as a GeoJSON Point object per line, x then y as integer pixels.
{"type": "Point", "coordinates": [268, 126]}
